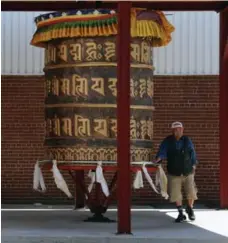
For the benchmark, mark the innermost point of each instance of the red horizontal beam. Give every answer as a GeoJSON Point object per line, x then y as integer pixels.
{"type": "Point", "coordinates": [55, 6]}
{"type": "Point", "coordinates": [70, 5]}
{"type": "Point", "coordinates": [93, 167]}
{"type": "Point", "coordinates": [182, 6]}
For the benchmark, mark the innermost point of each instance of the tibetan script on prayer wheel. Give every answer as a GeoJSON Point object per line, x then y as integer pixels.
{"type": "Point", "coordinates": [80, 102]}
{"type": "Point", "coordinates": [81, 89]}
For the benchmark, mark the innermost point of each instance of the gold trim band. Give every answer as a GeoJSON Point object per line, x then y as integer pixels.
{"type": "Point", "coordinates": [89, 105]}
{"type": "Point", "coordinates": [95, 64]}
{"type": "Point", "coordinates": [95, 153]}
{"type": "Point", "coordinates": [106, 139]}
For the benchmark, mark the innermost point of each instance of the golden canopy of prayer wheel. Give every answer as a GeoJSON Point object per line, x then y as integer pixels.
{"type": "Point", "coordinates": [81, 90]}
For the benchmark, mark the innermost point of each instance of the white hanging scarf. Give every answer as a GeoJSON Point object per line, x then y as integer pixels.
{"type": "Point", "coordinates": [38, 179]}
{"type": "Point", "coordinates": [149, 179]}
{"type": "Point", "coordinates": [100, 179]}
{"type": "Point", "coordinates": [138, 181]}
{"type": "Point", "coordinates": [59, 180]}
{"type": "Point", "coordinates": [92, 176]}
{"type": "Point", "coordinates": [161, 180]}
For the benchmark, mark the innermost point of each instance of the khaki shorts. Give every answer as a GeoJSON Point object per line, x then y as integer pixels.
{"type": "Point", "coordinates": [175, 187]}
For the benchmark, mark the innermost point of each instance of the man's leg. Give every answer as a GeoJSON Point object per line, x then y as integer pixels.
{"type": "Point", "coordinates": [175, 185]}
{"type": "Point", "coordinates": [191, 193]}
{"type": "Point", "coordinates": [191, 203]}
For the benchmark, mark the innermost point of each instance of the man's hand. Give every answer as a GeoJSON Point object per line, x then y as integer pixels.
{"type": "Point", "coordinates": [158, 160]}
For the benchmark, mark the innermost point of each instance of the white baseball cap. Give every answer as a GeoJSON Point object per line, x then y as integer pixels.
{"type": "Point", "coordinates": [176, 124]}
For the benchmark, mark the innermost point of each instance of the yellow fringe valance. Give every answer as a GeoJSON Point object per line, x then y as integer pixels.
{"type": "Point", "coordinates": [159, 34]}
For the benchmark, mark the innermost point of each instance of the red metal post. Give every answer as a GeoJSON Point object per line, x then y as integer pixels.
{"type": "Point", "coordinates": [223, 112]}
{"type": "Point", "coordinates": [123, 119]}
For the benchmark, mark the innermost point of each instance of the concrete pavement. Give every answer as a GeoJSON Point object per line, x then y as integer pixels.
{"type": "Point", "coordinates": [63, 225]}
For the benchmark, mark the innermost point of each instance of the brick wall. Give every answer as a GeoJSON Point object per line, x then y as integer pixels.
{"type": "Point", "coordinates": [190, 99]}
{"type": "Point", "coordinates": [194, 101]}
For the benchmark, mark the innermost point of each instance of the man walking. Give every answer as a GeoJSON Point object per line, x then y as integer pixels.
{"type": "Point", "coordinates": [180, 154]}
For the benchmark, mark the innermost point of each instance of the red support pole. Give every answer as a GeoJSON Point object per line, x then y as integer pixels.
{"type": "Point", "coordinates": [123, 119]}
{"type": "Point", "coordinates": [223, 108]}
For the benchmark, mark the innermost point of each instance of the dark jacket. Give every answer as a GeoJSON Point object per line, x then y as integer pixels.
{"type": "Point", "coordinates": [181, 158]}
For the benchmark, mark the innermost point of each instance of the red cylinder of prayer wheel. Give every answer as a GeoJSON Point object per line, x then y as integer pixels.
{"type": "Point", "coordinates": [81, 88]}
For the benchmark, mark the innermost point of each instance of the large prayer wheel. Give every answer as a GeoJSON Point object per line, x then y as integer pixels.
{"type": "Point", "coordinates": [81, 84]}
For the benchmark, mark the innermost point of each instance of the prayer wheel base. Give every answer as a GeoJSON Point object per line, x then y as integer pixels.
{"type": "Point", "coordinates": [98, 217]}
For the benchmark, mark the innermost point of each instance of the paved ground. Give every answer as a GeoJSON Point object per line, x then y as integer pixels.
{"type": "Point", "coordinates": [63, 225]}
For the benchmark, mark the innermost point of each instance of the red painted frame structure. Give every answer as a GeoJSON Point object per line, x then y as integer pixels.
{"type": "Point", "coordinates": [223, 108]}
{"type": "Point", "coordinates": [123, 118]}
{"type": "Point", "coordinates": [98, 205]}
{"type": "Point", "coordinates": [124, 225]}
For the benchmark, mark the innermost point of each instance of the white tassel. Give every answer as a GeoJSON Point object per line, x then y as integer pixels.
{"type": "Point", "coordinates": [59, 180]}
{"type": "Point", "coordinates": [138, 182]}
{"type": "Point", "coordinates": [38, 179]}
{"type": "Point", "coordinates": [161, 180]}
{"type": "Point", "coordinates": [92, 176]}
{"type": "Point", "coordinates": [100, 179]}
{"type": "Point", "coordinates": [149, 179]}
{"type": "Point", "coordinates": [157, 178]}
{"type": "Point", "coordinates": [36, 175]}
